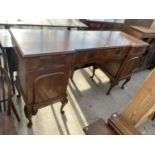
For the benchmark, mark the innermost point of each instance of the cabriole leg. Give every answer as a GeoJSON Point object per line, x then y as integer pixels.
{"type": "Point", "coordinates": [64, 102]}
{"type": "Point", "coordinates": [28, 114]}
{"type": "Point", "coordinates": [94, 69]}
{"type": "Point", "coordinates": [126, 81]}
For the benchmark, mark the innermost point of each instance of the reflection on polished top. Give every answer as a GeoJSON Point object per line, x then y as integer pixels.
{"type": "Point", "coordinates": [43, 22]}
{"type": "Point", "coordinates": [24, 22]}
{"type": "Point", "coordinates": [5, 38]}
{"type": "Point", "coordinates": [68, 22]}
{"type": "Point", "coordinates": [108, 20]}
{"type": "Point", "coordinates": [39, 42]}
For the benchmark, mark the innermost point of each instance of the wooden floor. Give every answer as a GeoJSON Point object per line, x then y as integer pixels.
{"type": "Point", "coordinates": [87, 103]}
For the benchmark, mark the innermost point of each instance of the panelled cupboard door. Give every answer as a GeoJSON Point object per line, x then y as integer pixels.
{"type": "Point", "coordinates": [49, 86]}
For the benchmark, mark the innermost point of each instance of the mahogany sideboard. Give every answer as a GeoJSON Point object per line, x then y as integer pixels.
{"type": "Point", "coordinates": [46, 58]}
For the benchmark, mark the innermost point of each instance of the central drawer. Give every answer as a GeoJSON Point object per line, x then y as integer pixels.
{"type": "Point", "coordinates": [85, 57]}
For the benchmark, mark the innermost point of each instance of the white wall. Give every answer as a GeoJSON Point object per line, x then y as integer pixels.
{"type": "Point", "coordinates": [153, 25]}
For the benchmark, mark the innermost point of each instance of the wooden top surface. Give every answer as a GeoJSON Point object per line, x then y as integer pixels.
{"type": "Point", "coordinates": [43, 22]}
{"type": "Point", "coordinates": [5, 39]}
{"type": "Point", "coordinates": [107, 20]}
{"type": "Point", "coordinates": [41, 42]}
{"type": "Point", "coordinates": [24, 22]}
{"type": "Point", "coordinates": [64, 22]}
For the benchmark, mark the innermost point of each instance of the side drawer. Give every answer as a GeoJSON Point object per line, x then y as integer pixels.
{"type": "Point", "coordinates": [115, 53]}
{"type": "Point", "coordinates": [84, 57]}
{"type": "Point", "coordinates": [45, 62]}
{"type": "Point", "coordinates": [137, 51]}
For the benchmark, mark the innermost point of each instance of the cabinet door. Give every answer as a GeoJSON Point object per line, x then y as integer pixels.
{"type": "Point", "coordinates": [127, 67]}
{"type": "Point", "coordinates": [49, 86]}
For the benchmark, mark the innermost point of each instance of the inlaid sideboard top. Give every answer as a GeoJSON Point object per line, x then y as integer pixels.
{"type": "Point", "coordinates": [72, 23]}
{"type": "Point", "coordinates": [42, 42]}
{"type": "Point", "coordinates": [107, 20]}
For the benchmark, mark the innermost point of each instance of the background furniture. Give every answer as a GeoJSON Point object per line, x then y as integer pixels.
{"type": "Point", "coordinates": [6, 91]}
{"type": "Point", "coordinates": [103, 24]}
{"type": "Point", "coordinates": [6, 122]}
{"type": "Point", "coordinates": [45, 59]}
{"type": "Point", "coordinates": [115, 24]}
{"type": "Point", "coordinates": [148, 35]}
{"type": "Point", "coordinates": [116, 125]}
{"type": "Point", "coordinates": [138, 22]}
{"type": "Point", "coordinates": [8, 54]}
{"type": "Point", "coordinates": [6, 94]}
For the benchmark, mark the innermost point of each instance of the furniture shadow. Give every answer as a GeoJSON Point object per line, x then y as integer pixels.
{"type": "Point", "coordinates": [64, 119]}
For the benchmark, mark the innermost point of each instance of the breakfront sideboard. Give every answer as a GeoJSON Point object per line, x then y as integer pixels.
{"type": "Point", "coordinates": [46, 58]}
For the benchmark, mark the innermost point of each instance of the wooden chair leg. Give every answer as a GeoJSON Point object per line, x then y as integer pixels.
{"type": "Point", "coordinates": [111, 86]}
{"type": "Point", "coordinates": [0, 107]}
{"type": "Point", "coordinates": [126, 81]}
{"type": "Point", "coordinates": [71, 75]}
{"type": "Point", "coordinates": [153, 117]}
{"type": "Point", "coordinates": [15, 112]}
{"type": "Point", "coordinates": [4, 105]}
{"type": "Point", "coordinates": [17, 86]}
{"type": "Point", "coordinates": [28, 114]}
{"type": "Point", "coordinates": [12, 82]}
{"type": "Point", "coordinates": [94, 69]}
